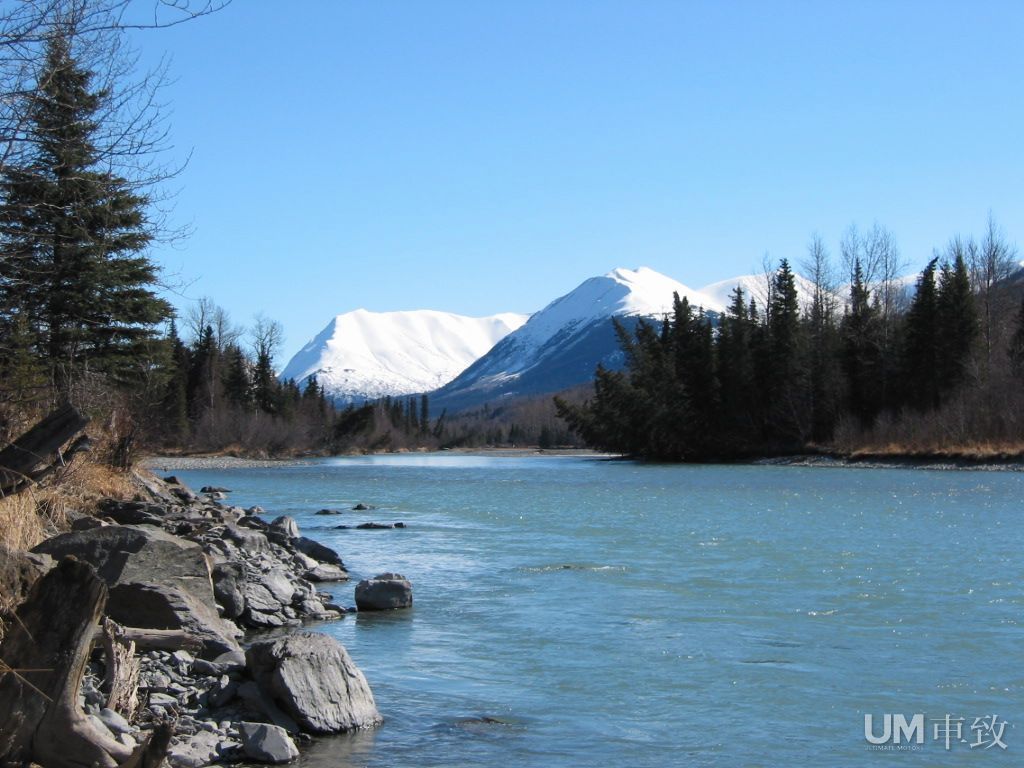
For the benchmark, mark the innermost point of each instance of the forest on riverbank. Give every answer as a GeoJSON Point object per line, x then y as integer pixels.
{"type": "Point", "coordinates": [880, 366]}
{"type": "Point", "coordinates": [83, 318]}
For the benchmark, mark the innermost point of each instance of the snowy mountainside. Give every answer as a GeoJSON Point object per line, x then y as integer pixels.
{"type": "Point", "coordinates": [756, 287]}
{"type": "Point", "coordinates": [363, 355]}
{"type": "Point", "coordinates": [560, 346]}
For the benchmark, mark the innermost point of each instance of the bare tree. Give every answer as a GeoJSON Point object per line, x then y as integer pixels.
{"type": "Point", "coordinates": [990, 263]}
{"type": "Point", "coordinates": [206, 312]}
{"type": "Point", "coordinates": [818, 268]}
{"type": "Point", "coordinates": [267, 337]}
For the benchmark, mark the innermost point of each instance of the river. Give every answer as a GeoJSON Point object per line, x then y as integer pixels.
{"type": "Point", "coordinates": [575, 611]}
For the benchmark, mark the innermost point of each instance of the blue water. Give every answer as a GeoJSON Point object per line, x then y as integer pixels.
{"type": "Point", "coordinates": [611, 613]}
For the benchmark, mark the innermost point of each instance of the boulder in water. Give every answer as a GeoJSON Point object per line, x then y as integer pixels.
{"type": "Point", "coordinates": [384, 592]}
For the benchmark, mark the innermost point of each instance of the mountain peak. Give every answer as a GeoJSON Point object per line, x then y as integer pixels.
{"type": "Point", "coordinates": [363, 355]}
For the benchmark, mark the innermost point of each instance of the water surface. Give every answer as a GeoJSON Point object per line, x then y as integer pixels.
{"type": "Point", "coordinates": [576, 611]}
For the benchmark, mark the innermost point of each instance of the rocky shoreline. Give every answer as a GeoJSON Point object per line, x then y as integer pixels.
{"type": "Point", "coordinates": [190, 579]}
{"type": "Point", "coordinates": [885, 461]}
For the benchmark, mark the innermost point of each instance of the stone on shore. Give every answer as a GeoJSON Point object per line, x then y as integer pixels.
{"type": "Point", "coordinates": [285, 526]}
{"type": "Point", "coordinates": [317, 551]}
{"type": "Point", "coordinates": [314, 680]}
{"type": "Point", "coordinates": [384, 592]}
{"type": "Point", "coordinates": [267, 743]}
{"type": "Point", "coordinates": [158, 606]}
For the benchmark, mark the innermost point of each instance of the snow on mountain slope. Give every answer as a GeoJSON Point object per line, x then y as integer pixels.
{"type": "Point", "coordinates": [641, 292]}
{"type": "Point", "coordinates": [560, 346]}
{"type": "Point", "coordinates": [756, 287]}
{"type": "Point", "coordinates": [364, 355]}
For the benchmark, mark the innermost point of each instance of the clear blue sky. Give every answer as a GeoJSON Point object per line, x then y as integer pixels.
{"type": "Point", "coordinates": [480, 157]}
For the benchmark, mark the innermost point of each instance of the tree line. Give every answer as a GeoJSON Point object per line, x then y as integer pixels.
{"type": "Point", "coordinates": [872, 366]}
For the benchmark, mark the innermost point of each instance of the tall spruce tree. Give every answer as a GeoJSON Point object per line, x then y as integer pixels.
{"type": "Point", "coordinates": [785, 342]}
{"type": "Point", "coordinates": [920, 359]}
{"type": "Point", "coordinates": [861, 351]}
{"type": "Point", "coordinates": [74, 232]}
{"type": "Point", "coordinates": [957, 322]}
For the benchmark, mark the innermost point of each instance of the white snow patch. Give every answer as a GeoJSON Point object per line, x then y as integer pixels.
{"type": "Point", "coordinates": [621, 292]}
{"type": "Point", "coordinates": [364, 354]}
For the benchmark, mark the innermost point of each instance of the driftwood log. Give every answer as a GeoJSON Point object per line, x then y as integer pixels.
{"type": "Point", "coordinates": [42, 661]}
{"type": "Point", "coordinates": [36, 453]}
{"type": "Point", "coordinates": [153, 639]}
{"type": "Point", "coordinates": [121, 681]}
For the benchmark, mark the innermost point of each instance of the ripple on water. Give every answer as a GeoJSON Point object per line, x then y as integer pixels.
{"type": "Point", "coordinates": [573, 612]}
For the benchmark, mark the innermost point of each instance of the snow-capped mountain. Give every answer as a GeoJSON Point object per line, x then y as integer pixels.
{"type": "Point", "coordinates": [756, 287]}
{"type": "Point", "coordinates": [560, 346]}
{"type": "Point", "coordinates": [364, 355]}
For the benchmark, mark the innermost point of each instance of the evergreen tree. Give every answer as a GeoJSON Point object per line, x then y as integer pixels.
{"type": "Point", "coordinates": [266, 389]}
{"type": "Point", "coordinates": [920, 359]}
{"type": "Point", "coordinates": [861, 351]}
{"type": "Point", "coordinates": [237, 383]}
{"type": "Point", "coordinates": [1016, 349]}
{"type": "Point", "coordinates": [175, 399]}
{"type": "Point", "coordinates": [957, 323]}
{"type": "Point", "coordinates": [735, 364]}
{"type": "Point", "coordinates": [74, 232]}
{"type": "Point", "coordinates": [784, 389]}
{"type": "Point", "coordinates": [204, 388]}
{"type": "Point", "coordinates": [424, 414]}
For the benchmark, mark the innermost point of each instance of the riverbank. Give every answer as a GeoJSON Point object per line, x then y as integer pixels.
{"type": "Point", "coordinates": [891, 461]}
{"type": "Point", "coordinates": [190, 584]}
{"type": "Point", "coordinates": [217, 462]}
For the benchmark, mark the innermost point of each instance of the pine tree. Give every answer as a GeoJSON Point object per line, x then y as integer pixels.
{"type": "Point", "coordinates": [1016, 349]}
{"type": "Point", "coordinates": [266, 389]}
{"type": "Point", "coordinates": [785, 386]}
{"type": "Point", "coordinates": [736, 371]}
{"type": "Point", "coordinates": [957, 323]}
{"type": "Point", "coordinates": [861, 351]}
{"type": "Point", "coordinates": [204, 388]}
{"type": "Point", "coordinates": [175, 400]}
{"type": "Point", "coordinates": [236, 382]}
{"type": "Point", "coordinates": [920, 359]}
{"type": "Point", "coordinates": [75, 232]}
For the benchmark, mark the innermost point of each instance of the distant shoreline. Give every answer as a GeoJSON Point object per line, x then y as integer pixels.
{"type": "Point", "coordinates": [828, 461]}
{"type": "Point", "coordinates": [215, 461]}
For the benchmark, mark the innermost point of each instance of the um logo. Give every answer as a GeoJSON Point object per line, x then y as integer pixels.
{"type": "Point", "coordinates": [895, 729]}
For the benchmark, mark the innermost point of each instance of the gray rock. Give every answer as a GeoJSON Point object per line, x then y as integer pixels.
{"type": "Point", "coordinates": [277, 583]}
{"type": "Point", "coordinates": [258, 702]}
{"type": "Point", "coordinates": [124, 553]}
{"type": "Point", "coordinates": [384, 592]}
{"type": "Point", "coordinates": [286, 526]}
{"type": "Point", "coordinates": [249, 541]}
{"type": "Point", "coordinates": [267, 743]}
{"type": "Point", "coordinates": [214, 489]}
{"type": "Point", "coordinates": [318, 551]}
{"type": "Point", "coordinates": [85, 523]}
{"type": "Point", "coordinates": [199, 749]}
{"type": "Point", "coordinates": [162, 700]}
{"type": "Point", "coordinates": [329, 512]}
{"type": "Point", "coordinates": [228, 581]}
{"type": "Point", "coordinates": [314, 680]}
{"type": "Point", "coordinates": [155, 606]}
{"type": "Point", "coordinates": [231, 661]}
{"type": "Point", "coordinates": [326, 572]}
{"type": "Point", "coordinates": [374, 526]}
{"type": "Point", "coordinates": [133, 512]}
{"type": "Point", "coordinates": [114, 722]}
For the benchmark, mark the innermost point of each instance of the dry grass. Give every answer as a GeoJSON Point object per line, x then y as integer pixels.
{"type": "Point", "coordinates": [968, 451]}
{"type": "Point", "coordinates": [31, 516]}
